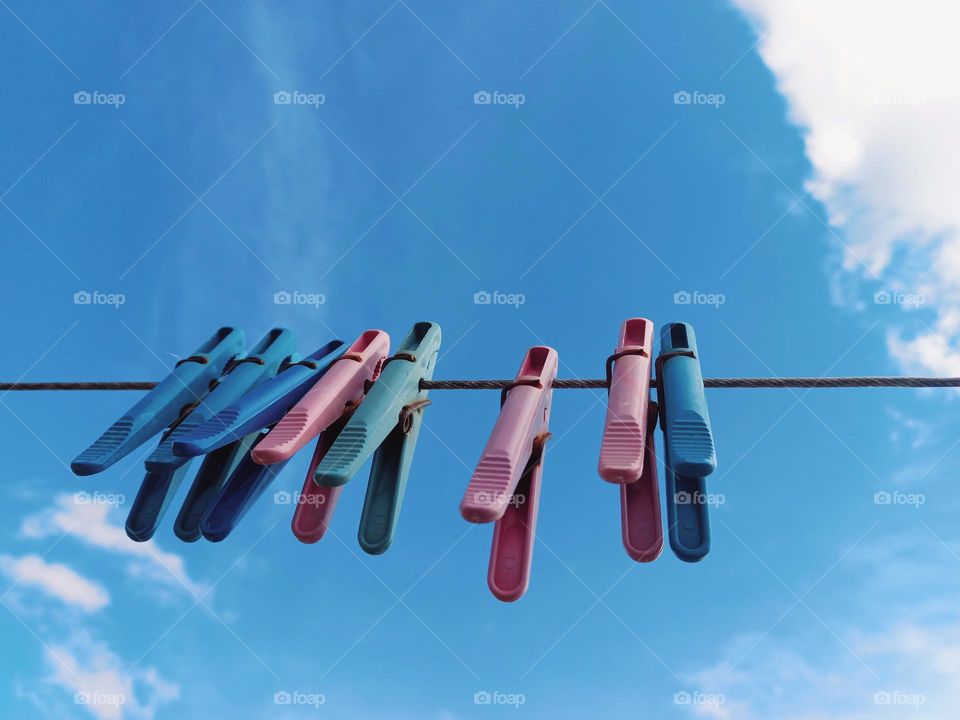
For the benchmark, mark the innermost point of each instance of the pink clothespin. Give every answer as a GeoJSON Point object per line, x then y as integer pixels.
{"type": "Point", "coordinates": [324, 411]}
{"type": "Point", "coordinates": [505, 487]}
{"type": "Point", "coordinates": [628, 378]}
{"type": "Point", "coordinates": [640, 519]}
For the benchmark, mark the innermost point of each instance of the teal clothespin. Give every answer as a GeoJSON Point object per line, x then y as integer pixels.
{"type": "Point", "coordinates": [386, 426]}
{"type": "Point", "coordinates": [161, 407]}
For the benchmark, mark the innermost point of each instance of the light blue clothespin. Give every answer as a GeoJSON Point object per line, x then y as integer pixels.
{"type": "Point", "coordinates": [165, 470]}
{"type": "Point", "coordinates": [161, 407]}
{"type": "Point", "coordinates": [386, 426]}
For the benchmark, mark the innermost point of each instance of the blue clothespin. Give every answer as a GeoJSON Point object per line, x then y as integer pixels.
{"type": "Point", "coordinates": [386, 426]}
{"type": "Point", "coordinates": [689, 454]}
{"type": "Point", "coordinates": [686, 423]}
{"type": "Point", "coordinates": [161, 407]}
{"type": "Point", "coordinates": [243, 488]}
{"type": "Point", "coordinates": [262, 406]}
{"type": "Point", "coordinates": [164, 469]}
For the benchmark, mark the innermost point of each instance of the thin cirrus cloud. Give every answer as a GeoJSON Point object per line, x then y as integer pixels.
{"type": "Point", "coordinates": [874, 88]}
{"type": "Point", "coordinates": [55, 580]}
{"type": "Point", "coordinates": [91, 524]}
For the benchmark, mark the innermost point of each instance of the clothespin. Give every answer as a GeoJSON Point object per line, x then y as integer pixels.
{"type": "Point", "coordinates": [162, 479]}
{"type": "Point", "coordinates": [625, 432]}
{"type": "Point", "coordinates": [641, 525]}
{"type": "Point", "coordinates": [505, 488]}
{"type": "Point", "coordinates": [628, 451]}
{"type": "Point", "coordinates": [160, 407]}
{"type": "Point", "coordinates": [386, 426]}
{"type": "Point", "coordinates": [261, 407]}
{"type": "Point", "coordinates": [689, 454]}
{"type": "Point", "coordinates": [324, 411]}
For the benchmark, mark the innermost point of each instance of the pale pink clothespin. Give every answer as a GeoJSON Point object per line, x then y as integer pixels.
{"type": "Point", "coordinates": [324, 411]}
{"type": "Point", "coordinates": [628, 451]}
{"type": "Point", "coordinates": [505, 488]}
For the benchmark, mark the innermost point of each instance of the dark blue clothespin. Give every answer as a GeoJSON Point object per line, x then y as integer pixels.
{"type": "Point", "coordinates": [386, 426]}
{"type": "Point", "coordinates": [161, 407]}
{"type": "Point", "coordinates": [689, 454]}
{"type": "Point", "coordinates": [243, 422]}
{"type": "Point", "coordinates": [165, 470]}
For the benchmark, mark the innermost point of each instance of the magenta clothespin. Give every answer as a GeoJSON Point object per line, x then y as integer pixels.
{"type": "Point", "coordinates": [505, 487]}
{"type": "Point", "coordinates": [640, 518]}
{"type": "Point", "coordinates": [342, 386]}
{"type": "Point", "coordinates": [316, 503]}
{"type": "Point", "coordinates": [628, 377]}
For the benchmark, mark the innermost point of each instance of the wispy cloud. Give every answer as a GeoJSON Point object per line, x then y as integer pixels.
{"type": "Point", "coordinates": [55, 580]}
{"type": "Point", "coordinates": [92, 524]}
{"type": "Point", "coordinates": [874, 88]}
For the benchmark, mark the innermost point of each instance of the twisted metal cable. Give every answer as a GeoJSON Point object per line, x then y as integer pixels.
{"type": "Point", "coordinates": [596, 384]}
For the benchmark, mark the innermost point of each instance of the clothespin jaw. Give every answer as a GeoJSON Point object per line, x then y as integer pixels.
{"type": "Point", "coordinates": [622, 451]}
{"type": "Point", "coordinates": [686, 422]}
{"type": "Point", "coordinates": [687, 515]}
{"type": "Point", "coordinates": [640, 521]}
{"type": "Point", "coordinates": [397, 387]}
{"type": "Point", "coordinates": [316, 503]}
{"type": "Point", "coordinates": [343, 385]}
{"type": "Point", "coordinates": [262, 362]}
{"type": "Point", "coordinates": [261, 407]}
{"type": "Point", "coordinates": [505, 487]}
{"type": "Point", "coordinates": [243, 488]}
{"type": "Point", "coordinates": [160, 407]}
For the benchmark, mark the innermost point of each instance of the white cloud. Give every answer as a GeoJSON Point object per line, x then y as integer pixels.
{"type": "Point", "coordinates": [99, 683]}
{"type": "Point", "coordinates": [56, 580]}
{"type": "Point", "coordinates": [91, 524]}
{"type": "Point", "coordinates": [874, 87]}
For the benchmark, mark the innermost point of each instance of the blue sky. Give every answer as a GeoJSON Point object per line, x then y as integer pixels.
{"type": "Point", "coordinates": [598, 197]}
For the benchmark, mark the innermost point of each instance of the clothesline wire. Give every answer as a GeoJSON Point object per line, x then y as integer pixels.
{"type": "Point", "coordinates": [567, 384]}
